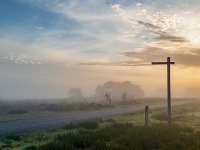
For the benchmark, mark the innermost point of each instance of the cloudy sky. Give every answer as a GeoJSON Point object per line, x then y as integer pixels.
{"type": "Point", "coordinates": [50, 46]}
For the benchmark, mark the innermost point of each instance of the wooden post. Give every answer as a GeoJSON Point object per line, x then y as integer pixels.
{"type": "Point", "coordinates": [168, 86]}
{"type": "Point", "coordinates": [168, 91]}
{"type": "Point", "coordinates": [146, 112]}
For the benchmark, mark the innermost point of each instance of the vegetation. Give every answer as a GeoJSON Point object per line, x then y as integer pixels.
{"type": "Point", "coordinates": [162, 116]}
{"type": "Point", "coordinates": [87, 124]}
{"type": "Point", "coordinates": [75, 93]}
{"type": "Point", "coordinates": [120, 132]}
{"type": "Point", "coordinates": [127, 136]}
{"type": "Point", "coordinates": [21, 109]}
{"type": "Point", "coordinates": [17, 111]}
{"type": "Point", "coordinates": [72, 107]}
{"type": "Point", "coordinates": [27, 109]}
{"type": "Point", "coordinates": [117, 90]}
{"type": "Point", "coordinates": [13, 137]}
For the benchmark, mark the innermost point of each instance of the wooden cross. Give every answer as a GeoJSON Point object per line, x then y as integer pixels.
{"type": "Point", "coordinates": [168, 86]}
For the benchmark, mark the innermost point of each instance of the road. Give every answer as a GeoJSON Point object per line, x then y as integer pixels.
{"type": "Point", "coordinates": [27, 125]}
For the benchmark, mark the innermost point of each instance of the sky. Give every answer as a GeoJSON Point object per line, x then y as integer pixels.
{"type": "Point", "coordinates": [50, 46]}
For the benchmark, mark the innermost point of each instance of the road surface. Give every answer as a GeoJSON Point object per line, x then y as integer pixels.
{"type": "Point", "coordinates": [31, 124]}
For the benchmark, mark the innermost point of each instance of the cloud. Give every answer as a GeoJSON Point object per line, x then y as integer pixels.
{"type": "Point", "coordinates": [18, 59]}
{"type": "Point", "coordinates": [101, 30]}
{"type": "Point", "coordinates": [183, 56]}
{"type": "Point", "coordinates": [150, 26]}
{"type": "Point", "coordinates": [119, 63]}
{"type": "Point", "coordinates": [39, 28]}
{"type": "Point", "coordinates": [169, 37]}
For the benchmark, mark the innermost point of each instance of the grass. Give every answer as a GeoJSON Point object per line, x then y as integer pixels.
{"type": "Point", "coordinates": [16, 114]}
{"type": "Point", "coordinates": [126, 136]}
{"type": "Point", "coordinates": [120, 132]}
{"type": "Point", "coordinates": [17, 111]}
{"type": "Point", "coordinates": [30, 114]}
{"type": "Point", "coordinates": [6, 114]}
{"type": "Point", "coordinates": [86, 124]}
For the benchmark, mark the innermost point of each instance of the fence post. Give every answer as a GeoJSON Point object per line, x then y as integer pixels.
{"type": "Point", "coordinates": [146, 115]}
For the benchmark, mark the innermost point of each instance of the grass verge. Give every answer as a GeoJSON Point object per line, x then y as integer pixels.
{"type": "Point", "coordinates": [121, 132]}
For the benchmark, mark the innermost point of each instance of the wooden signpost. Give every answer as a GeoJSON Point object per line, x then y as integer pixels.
{"type": "Point", "coordinates": [168, 86]}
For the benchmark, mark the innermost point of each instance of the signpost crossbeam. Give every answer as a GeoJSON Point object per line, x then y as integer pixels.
{"type": "Point", "coordinates": [161, 63]}
{"type": "Point", "coordinates": [168, 63]}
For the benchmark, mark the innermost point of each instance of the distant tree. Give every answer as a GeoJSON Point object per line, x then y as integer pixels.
{"type": "Point", "coordinates": [124, 96]}
{"type": "Point", "coordinates": [75, 92]}
{"type": "Point", "coordinates": [117, 88]}
{"type": "Point", "coordinates": [107, 96]}
{"type": "Point", "coordinates": [98, 91]}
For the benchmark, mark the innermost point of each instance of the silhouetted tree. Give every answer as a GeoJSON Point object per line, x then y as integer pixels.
{"type": "Point", "coordinates": [107, 96]}
{"type": "Point", "coordinates": [124, 96]}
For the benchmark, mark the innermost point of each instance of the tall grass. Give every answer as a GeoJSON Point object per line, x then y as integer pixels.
{"type": "Point", "coordinates": [87, 124]}
{"type": "Point", "coordinates": [127, 136]}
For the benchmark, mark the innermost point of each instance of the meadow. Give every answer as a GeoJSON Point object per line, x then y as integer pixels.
{"type": "Point", "coordinates": [23, 109]}
{"type": "Point", "coordinates": [119, 132]}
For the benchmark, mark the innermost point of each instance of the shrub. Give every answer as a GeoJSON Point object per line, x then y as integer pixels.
{"type": "Point", "coordinates": [17, 111]}
{"type": "Point", "coordinates": [13, 137]}
{"type": "Point", "coordinates": [8, 143]}
{"type": "Point", "coordinates": [2, 110]}
{"type": "Point", "coordinates": [31, 147]}
{"type": "Point", "coordinates": [71, 126]}
{"type": "Point", "coordinates": [89, 124]}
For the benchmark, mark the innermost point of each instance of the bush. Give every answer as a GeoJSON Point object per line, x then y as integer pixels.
{"type": "Point", "coordinates": [31, 147]}
{"type": "Point", "coordinates": [71, 126]}
{"type": "Point", "coordinates": [89, 124]}
{"type": "Point", "coordinates": [2, 110]}
{"type": "Point", "coordinates": [13, 137]}
{"type": "Point", "coordinates": [17, 111]}
{"type": "Point", "coordinates": [8, 143]}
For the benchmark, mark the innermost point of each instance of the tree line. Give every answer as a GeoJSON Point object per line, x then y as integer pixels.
{"type": "Point", "coordinates": [115, 90]}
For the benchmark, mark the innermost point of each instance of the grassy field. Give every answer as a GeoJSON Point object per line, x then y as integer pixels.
{"type": "Point", "coordinates": [24, 113]}
{"type": "Point", "coordinates": [120, 132]}
{"type": "Point", "coordinates": [48, 110]}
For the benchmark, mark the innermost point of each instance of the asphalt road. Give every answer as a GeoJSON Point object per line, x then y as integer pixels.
{"type": "Point", "coordinates": [27, 125]}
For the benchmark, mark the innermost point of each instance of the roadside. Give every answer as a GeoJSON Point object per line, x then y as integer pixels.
{"type": "Point", "coordinates": [19, 114]}
{"type": "Point", "coordinates": [186, 116]}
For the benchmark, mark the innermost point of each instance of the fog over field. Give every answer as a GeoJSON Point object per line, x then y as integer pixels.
{"type": "Point", "coordinates": [48, 47]}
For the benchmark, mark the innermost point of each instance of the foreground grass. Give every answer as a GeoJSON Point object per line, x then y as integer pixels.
{"type": "Point", "coordinates": [121, 132]}
{"type": "Point", "coordinates": [124, 136]}
{"type": "Point", "coordinates": [127, 136]}
{"type": "Point", "coordinates": [185, 115]}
